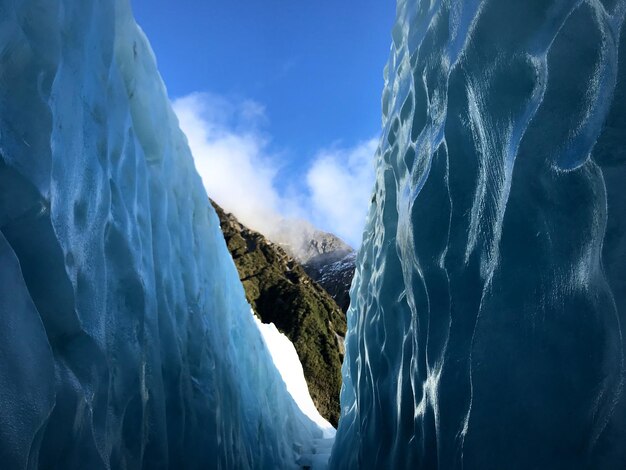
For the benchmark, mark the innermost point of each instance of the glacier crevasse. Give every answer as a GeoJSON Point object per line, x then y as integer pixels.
{"type": "Point", "coordinates": [486, 325]}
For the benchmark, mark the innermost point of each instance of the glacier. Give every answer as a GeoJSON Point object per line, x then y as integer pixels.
{"type": "Point", "coordinates": [125, 337]}
{"type": "Point", "coordinates": [485, 330]}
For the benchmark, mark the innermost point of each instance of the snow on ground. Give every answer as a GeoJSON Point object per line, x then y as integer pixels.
{"type": "Point", "coordinates": [288, 364]}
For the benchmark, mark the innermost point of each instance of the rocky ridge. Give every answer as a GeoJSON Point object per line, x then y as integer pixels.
{"type": "Point", "coordinates": [326, 258]}
{"type": "Point", "coordinates": [281, 292]}
{"type": "Point", "coordinates": [335, 276]}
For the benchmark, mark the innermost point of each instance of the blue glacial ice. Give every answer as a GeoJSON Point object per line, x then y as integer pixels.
{"type": "Point", "coordinates": [485, 330]}
{"type": "Point", "coordinates": [125, 337]}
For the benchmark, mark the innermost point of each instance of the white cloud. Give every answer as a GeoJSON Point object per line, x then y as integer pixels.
{"type": "Point", "coordinates": [340, 183]}
{"type": "Point", "coordinates": [231, 157]}
{"type": "Point", "coordinates": [240, 173]}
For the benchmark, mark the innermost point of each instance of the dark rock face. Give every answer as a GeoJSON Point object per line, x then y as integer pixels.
{"type": "Point", "coordinates": [281, 292]}
{"type": "Point", "coordinates": [334, 276]}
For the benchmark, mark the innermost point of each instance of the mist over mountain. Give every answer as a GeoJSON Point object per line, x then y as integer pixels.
{"type": "Point", "coordinates": [308, 244]}
{"type": "Point", "coordinates": [325, 257]}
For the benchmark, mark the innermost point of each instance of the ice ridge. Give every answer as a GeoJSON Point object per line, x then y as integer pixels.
{"type": "Point", "coordinates": [485, 329]}
{"type": "Point", "coordinates": [125, 337]}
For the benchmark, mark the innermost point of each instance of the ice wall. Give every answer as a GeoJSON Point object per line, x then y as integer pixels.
{"type": "Point", "coordinates": [485, 327]}
{"type": "Point", "coordinates": [125, 337]}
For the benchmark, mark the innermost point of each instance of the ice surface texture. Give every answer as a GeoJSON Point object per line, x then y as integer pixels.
{"type": "Point", "coordinates": [484, 331]}
{"type": "Point", "coordinates": [125, 337]}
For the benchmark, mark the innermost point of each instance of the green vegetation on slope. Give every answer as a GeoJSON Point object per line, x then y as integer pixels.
{"type": "Point", "coordinates": [280, 292]}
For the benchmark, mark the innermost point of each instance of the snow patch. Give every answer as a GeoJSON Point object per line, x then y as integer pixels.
{"type": "Point", "coordinates": [287, 362]}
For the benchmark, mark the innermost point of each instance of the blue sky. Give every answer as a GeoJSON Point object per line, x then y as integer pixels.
{"type": "Point", "coordinates": [299, 81]}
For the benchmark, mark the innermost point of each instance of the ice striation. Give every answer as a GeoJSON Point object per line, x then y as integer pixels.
{"type": "Point", "coordinates": [485, 325]}
{"type": "Point", "coordinates": [125, 337]}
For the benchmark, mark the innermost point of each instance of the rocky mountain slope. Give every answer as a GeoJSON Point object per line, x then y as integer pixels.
{"type": "Point", "coordinates": [325, 257]}
{"type": "Point", "coordinates": [281, 292]}
{"type": "Point", "coordinates": [334, 276]}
